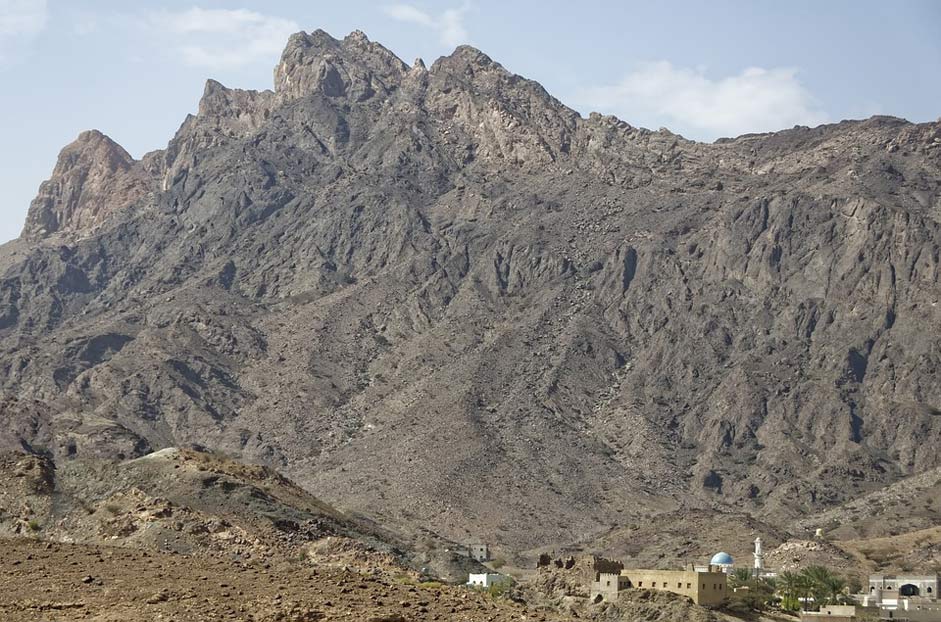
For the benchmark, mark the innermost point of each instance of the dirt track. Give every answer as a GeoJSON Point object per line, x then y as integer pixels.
{"type": "Point", "coordinates": [60, 582]}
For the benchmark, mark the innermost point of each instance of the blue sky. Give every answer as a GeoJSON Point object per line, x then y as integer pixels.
{"type": "Point", "coordinates": [703, 69]}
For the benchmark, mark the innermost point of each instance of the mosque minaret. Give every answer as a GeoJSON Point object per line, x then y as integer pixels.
{"type": "Point", "coordinates": [759, 558]}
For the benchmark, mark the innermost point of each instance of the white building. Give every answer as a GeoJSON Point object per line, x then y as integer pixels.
{"type": "Point", "coordinates": [487, 579]}
{"type": "Point", "coordinates": [723, 561]}
{"type": "Point", "coordinates": [759, 558]}
{"type": "Point", "coordinates": [899, 592]}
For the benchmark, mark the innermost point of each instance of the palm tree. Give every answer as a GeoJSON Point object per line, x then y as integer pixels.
{"type": "Point", "coordinates": [835, 587]}
{"type": "Point", "coordinates": [802, 589]}
{"type": "Point", "coordinates": [769, 583]}
{"type": "Point", "coordinates": [789, 583]}
{"type": "Point", "coordinates": [740, 577]}
{"type": "Point", "coordinates": [822, 584]}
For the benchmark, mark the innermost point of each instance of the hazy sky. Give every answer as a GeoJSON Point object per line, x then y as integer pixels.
{"type": "Point", "coordinates": [134, 69]}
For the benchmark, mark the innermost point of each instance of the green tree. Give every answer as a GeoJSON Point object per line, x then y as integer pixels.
{"type": "Point", "coordinates": [835, 586]}
{"type": "Point", "coordinates": [823, 585]}
{"type": "Point", "coordinates": [757, 594]}
{"type": "Point", "coordinates": [854, 585]}
{"type": "Point", "coordinates": [802, 589]}
{"type": "Point", "coordinates": [789, 585]}
{"type": "Point", "coordinates": [740, 577]}
{"type": "Point", "coordinates": [768, 584]}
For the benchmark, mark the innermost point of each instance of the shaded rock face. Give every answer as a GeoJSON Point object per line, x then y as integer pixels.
{"type": "Point", "coordinates": [441, 297]}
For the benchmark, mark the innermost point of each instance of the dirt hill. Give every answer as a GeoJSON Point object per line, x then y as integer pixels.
{"type": "Point", "coordinates": [196, 503]}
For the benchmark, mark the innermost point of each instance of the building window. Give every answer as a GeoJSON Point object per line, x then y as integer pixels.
{"type": "Point", "coordinates": [607, 583]}
{"type": "Point", "coordinates": [679, 586]}
{"type": "Point", "coordinates": [689, 586]}
{"type": "Point", "coordinates": [703, 586]}
{"type": "Point", "coordinates": [640, 584]}
{"type": "Point", "coordinates": [929, 590]}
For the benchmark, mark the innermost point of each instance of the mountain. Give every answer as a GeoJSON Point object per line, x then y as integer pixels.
{"type": "Point", "coordinates": [441, 298]}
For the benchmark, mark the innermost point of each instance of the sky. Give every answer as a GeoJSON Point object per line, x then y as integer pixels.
{"type": "Point", "coordinates": [702, 69]}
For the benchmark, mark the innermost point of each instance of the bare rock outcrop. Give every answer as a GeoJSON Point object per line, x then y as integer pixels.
{"type": "Point", "coordinates": [93, 178]}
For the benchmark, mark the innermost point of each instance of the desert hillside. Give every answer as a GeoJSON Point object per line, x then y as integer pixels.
{"type": "Point", "coordinates": [439, 298]}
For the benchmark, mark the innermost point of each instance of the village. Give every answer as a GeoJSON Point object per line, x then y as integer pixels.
{"type": "Point", "coordinates": [812, 594]}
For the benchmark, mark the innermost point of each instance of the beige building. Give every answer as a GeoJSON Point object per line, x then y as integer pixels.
{"type": "Point", "coordinates": [708, 588]}
{"type": "Point", "coordinates": [831, 613]}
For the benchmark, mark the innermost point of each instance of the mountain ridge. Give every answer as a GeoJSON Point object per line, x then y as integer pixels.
{"type": "Point", "coordinates": [440, 297]}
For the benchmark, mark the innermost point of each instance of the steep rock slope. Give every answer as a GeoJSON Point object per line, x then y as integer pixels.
{"type": "Point", "coordinates": [440, 297]}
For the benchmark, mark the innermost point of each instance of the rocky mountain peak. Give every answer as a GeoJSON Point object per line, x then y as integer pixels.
{"type": "Point", "coordinates": [355, 67]}
{"type": "Point", "coordinates": [469, 58]}
{"type": "Point", "coordinates": [374, 261]}
{"type": "Point", "coordinates": [93, 177]}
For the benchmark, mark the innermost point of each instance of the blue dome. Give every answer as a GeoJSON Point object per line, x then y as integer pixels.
{"type": "Point", "coordinates": [721, 559]}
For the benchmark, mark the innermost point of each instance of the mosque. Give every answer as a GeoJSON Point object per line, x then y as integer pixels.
{"type": "Point", "coordinates": [723, 562]}
{"type": "Point", "coordinates": [706, 585]}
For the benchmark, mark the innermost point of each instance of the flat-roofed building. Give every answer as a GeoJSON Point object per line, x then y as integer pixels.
{"type": "Point", "coordinates": [708, 588]}
{"type": "Point", "coordinates": [895, 586]}
{"type": "Point", "coordinates": [831, 613]}
{"type": "Point", "coordinates": [487, 579]}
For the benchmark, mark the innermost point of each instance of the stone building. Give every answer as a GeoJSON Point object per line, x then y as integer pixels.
{"type": "Point", "coordinates": [708, 588]}
{"type": "Point", "coordinates": [911, 597]}
{"type": "Point", "coordinates": [479, 552]}
{"type": "Point", "coordinates": [883, 587]}
{"type": "Point", "coordinates": [606, 586]}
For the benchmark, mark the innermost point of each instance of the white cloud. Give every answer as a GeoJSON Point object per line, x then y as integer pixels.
{"type": "Point", "coordinates": [756, 100]}
{"type": "Point", "coordinates": [20, 22]}
{"type": "Point", "coordinates": [224, 38]}
{"type": "Point", "coordinates": [22, 18]}
{"type": "Point", "coordinates": [449, 25]}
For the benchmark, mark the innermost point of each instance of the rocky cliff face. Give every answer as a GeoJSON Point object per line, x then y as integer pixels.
{"type": "Point", "coordinates": [93, 178]}
{"type": "Point", "coordinates": [439, 296]}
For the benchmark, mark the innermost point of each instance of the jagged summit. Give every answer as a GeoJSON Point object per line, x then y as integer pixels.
{"type": "Point", "coordinates": [92, 177]}
{"type": "Point", "coordinates": [494, 112]}
{"type": "Point", "coordinates": [441, 296]}
{"type": "Point", "coordinates": [354, 66]}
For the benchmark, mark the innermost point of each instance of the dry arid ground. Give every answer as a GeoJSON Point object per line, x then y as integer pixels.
{"type": "Point", "coordinates": [61, 582]}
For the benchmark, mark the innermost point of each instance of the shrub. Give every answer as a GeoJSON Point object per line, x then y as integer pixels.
{"type": "Point", "coordinates": [34, 525]}
{"type": "Point", "coordinates": [500, 589]}
{"type": "Point", "coordinates": [790, 603]}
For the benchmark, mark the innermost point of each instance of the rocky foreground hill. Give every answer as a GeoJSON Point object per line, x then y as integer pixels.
{"type": "Point", "coordinates": [441, 298]}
